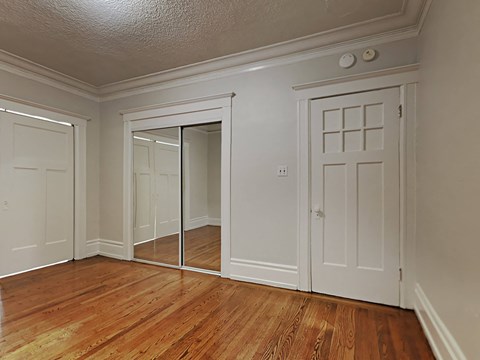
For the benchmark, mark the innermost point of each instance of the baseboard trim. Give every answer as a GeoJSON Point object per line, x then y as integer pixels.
{"type": "Point", "coordinates": [215, 221]}
{"type": "Point", "coordinates": [277, 275]}
{"type": "Point", "coordinates": [93, 247]}
{"type": "Point", "coordinates": [444, 345]}
{"type": "Point", "coordinates": [196, 223]}
{"type": "Point", "coordinates": [111, 248]}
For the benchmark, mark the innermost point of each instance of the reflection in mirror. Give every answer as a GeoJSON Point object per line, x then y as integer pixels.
{"type": "Point", "coordinates": [156, 182]}
{"type": "Point", "coordinates": [201, 189]}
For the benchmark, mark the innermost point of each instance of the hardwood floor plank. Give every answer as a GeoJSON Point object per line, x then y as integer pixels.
{"type": "Point", "coordinates": [384, 337]}
{"type": "Point", "coordinates": [343, 340]}
{"type": "Point", "coordinates": [108, 309]}
{"type": "Point", "coordinates": [365, 346]}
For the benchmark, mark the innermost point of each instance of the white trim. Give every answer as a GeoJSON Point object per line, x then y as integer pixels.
{"type": "Point", "coordinates": [355, 77]}
{"type": "Point", "coordinates": [92, 247]}
{"type": "Point", "coordinates": [402, 77]}
{"type": "Point", "coordinates": [110, 248]}
{"type": "Point", "coordinates": [79, 123]}
{"type": "Point", "coordinates": [202, 221]}
{"type": "Point", "coordinates": [239, 64]}
{"type": "Point", "coordinates": [190, 105]}
{"type": "Point", "coordinates": [196, 223]}
{"type": "Point", "coordinates": [28, 69]}
{"type": "Point", "coordinates": [423, 15]}
{"type": "Point", "coordinates": [259, 272]}
{"type": "Point", "coordinates": [188, 112]}
{"type": "Point", "coordinates": [33, 108]}
{"type": "Point", "coordinates": [358, 83]}
{"type": "Point", "coordinates": [214, 221]}
{"type": "Point", "coordinates": [408, 96]}
{"type": "Point", "coordinates": [444, 345]}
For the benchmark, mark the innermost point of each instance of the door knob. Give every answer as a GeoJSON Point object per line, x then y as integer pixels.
{"type": "Point", "coordinates": [318, 213]}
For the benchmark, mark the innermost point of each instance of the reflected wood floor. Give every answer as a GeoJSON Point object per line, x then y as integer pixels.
{"type": "Point", "coordinates": [102, 308]}
{"type": "Point", "coordinates": [202, 249]}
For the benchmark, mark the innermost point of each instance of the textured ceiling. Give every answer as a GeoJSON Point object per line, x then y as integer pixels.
{"type": "Point", "coordinates": [105, 41]}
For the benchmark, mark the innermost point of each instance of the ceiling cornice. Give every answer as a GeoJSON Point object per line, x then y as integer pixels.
{"type": "Point", "coordinates": [305, 48]}
{"type": "Point", "coordinates": [17, 65]}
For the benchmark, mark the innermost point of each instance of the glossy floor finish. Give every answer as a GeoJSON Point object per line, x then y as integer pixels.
{"type": "Point", "coordinates": [102, 308]}
{"type": "Point", "coordinates": [202, 249]}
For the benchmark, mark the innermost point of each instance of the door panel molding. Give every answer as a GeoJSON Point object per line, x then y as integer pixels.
{"type": "Point", "coordinates": [188, 112]}
{"type": "Point", "coordinates": [406, 80]}
{"type": "Point", "coordinates": [39, 112]}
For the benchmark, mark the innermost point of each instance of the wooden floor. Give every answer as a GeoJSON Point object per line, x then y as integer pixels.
{"type": "Point", "coordinates": [102, 308]}
{"type": "Point", "coordinates": [202, 249]}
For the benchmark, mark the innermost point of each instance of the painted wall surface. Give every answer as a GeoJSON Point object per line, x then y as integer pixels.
{"type": "Point", "coordinates": [198, 169]}
{"type": "Point", "coordinates": [30, 90]}
{"type": "Point", "coordinates": [214, 172]}
{"type": "Point", "coordinates": [264, 135]}
{"type": "Point", "coordinates": [448, 168]}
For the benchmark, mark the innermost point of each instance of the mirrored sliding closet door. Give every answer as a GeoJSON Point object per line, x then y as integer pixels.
{"type": "Point", "coordinates": [177, 183]}
{"type": "Point", "coordinates": [156, 196]}
{"type": "Point", "coordinates": [201, 184]}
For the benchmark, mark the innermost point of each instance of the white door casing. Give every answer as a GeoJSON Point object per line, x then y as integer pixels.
{"type": "Point", "coordinates": [144, 190]}
{"type": "Point", "coordinates": [37, 191]}
{"type": "Point", "coordinates": [355, 196]}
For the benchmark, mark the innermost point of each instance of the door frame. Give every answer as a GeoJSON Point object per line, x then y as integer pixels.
{"type": "Point", "coordinates": [215, 108]}
{"type": "Point", "coordinates": [41, 112]}
{"type": "Point", "coordinates": [406, 79]}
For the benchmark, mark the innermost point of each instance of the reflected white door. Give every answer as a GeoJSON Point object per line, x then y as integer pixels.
{"type": "Point", "coordinates": [36, 190]}
{"type": "Point", "coordinates": [355, 196]}
{"type": "Point", "coordinates": [167, 189]}
{"type": "Point", "coordinates": [144, 190]}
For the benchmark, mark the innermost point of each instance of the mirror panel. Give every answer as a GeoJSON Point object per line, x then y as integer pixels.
{"type": "Point", "coordinates": [201, 199]}
{"type": "Point", "coordinates": [156, 183]}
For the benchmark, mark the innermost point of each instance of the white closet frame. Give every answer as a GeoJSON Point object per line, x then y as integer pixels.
{"type": "Point", "coordinates": [195, 111]}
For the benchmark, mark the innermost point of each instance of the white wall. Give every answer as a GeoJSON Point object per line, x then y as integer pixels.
{"type": "Point", "coordinates": [30, 90]}
{"type": "Point", "coordinates": [264, 135]}
{"type": "Point", "coordinates": [448, 169]}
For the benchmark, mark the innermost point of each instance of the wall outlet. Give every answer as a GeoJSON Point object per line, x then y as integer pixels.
{"type": "Point", "coordinates": [282, 170]}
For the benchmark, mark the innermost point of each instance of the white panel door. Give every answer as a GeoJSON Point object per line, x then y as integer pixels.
{"type": "Point", "coordinates": [144, 190]}
{"type": "Point", "coordinates": [355, 196]}
{"type": "Point", "coordinates": [167, 189]}
{"type": "Point", "coordinates": [36, 190]}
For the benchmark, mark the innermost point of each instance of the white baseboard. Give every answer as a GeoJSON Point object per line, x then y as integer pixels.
{"type": "Point", "coordinates": [215, 221]}
{"type": "Point", "coordinates": [92, 247]}
{"type": "Point", "coordinates": [196, 223]}
{"type": "Point", "coordinates": [111, 248]}
{"type": "Point", "coordinates": [108, 248]}
{"type": "Point", "coordinates": [444, 345]}
{"type": "Point", "coordinates": [278, 275]}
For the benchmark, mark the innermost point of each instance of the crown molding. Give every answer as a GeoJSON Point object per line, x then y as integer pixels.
{"type": "Point", "coordinates": [188, 75]}
{"type": "Point", "coordinates": [405, 24]}
{"type": "Point", "coordinates": [19, 66]}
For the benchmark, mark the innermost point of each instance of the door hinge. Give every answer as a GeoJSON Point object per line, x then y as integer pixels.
{"type": "Point", "coordinates": [401, 274]}
{"type": "Point", "coordinates": [400, 111]}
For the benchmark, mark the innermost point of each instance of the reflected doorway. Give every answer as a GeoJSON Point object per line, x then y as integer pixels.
{"type": "Point", "coordinates": [177, 196]}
